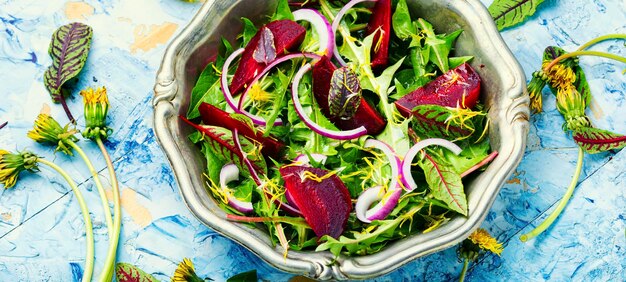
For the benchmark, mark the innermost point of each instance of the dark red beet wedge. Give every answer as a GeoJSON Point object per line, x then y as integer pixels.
{"type": "Point", "coordinates": [212, 115]}
{"type": "Point", "coordinates": [366, 115]}
{"type": "Point", "coordinates": [458, 87]}
{"type": "Point", "coordinates": [288, 35]}
{"type": "Point", "coordinates": [325, 205]}
{"type": "Point", "coordinates": [380, 22]}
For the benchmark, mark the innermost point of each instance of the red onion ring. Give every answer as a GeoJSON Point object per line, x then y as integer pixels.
{"type": "Point", "coordinates": [410, 155]}
{"type": "Point", "coordinates": [229, 173]}
{"type": "Point", "coordinates": [321, 26]}
{"type": "Point", "coordinates": [337, 22]}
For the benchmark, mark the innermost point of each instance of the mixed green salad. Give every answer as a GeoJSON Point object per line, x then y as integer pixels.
{"type": "Point", "coordinates": [340, 125]}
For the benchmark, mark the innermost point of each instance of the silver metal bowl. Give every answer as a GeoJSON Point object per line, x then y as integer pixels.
{"type": "Point", "coordinates": [503, 93]}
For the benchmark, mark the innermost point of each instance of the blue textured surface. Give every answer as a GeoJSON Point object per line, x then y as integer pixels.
{"type": "Point", "coordinates": [41, 228]}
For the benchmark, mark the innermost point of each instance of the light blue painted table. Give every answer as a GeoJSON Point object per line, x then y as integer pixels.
{"type": "Point", "coordinates": [41, 229]}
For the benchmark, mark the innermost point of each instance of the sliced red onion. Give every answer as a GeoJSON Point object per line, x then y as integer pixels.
{"type": "Point", "coordinates": [304, 158]}
{"type": "Point", "coordinates": [394, 161]}
{"type": "Point", "coordinates": [386, 203]}
{"type": "Point", "coordinates": [230, 173]}
{"type": "Point", "coordinates": [224, 80]}
{"type": "Point", "coordinates": [246, 161]}
{"type": "Point", "coordinates": [255, 118]}
{"type": "Point", "coordinates": [338, 135]}
{"type": "Point", "coordinates": [337, 22]}
{"type": "Point", "coordinates": [482, 163]}
{"type": "Point", "coordinates": [321, 26]}
{"type": "Point", "coordinates": [410, 155]}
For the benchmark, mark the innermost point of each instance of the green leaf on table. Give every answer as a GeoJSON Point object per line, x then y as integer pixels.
{"type": "Point", "coordinates": [593, 140]}
{"type": "Point", "coordinates": [126, 272]}
{"type": "Point", "coordinates": [249, 276]}
{"type": "Point", "coordinates": [68, 49]}
{"type": "Point", "coordinates": [444, 182]}
{"type": "Point", "coordinates": [508, 13]}
{"type": "Point", "coordinates": [283, 12]}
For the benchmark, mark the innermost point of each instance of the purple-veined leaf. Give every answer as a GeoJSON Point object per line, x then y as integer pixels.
{"type": "Point", "coordinates": [434, 121]}
{"type": "Point", "coordinates": [344, 96]}
{"type": "Point", "coordinates": [68, 49]}
{"type": "Point", "coordinates": [129, 273]}
{"type": "Point", "coordinates": [445, 183]}
{"type": "Point", "coordinates": [593, 140]}
{"type": "Point", "coordinates": [221, 141]}
{"type": "Point", "coordinates": [265, 51]}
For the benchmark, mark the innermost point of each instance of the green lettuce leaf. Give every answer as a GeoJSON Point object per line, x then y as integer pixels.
{"type": "Point", "coordinates": [507, 13]}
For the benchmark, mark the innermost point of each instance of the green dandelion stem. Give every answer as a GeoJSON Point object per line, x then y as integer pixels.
{"type": "Point", "coordinates": [600, 39]}
{"type": "Point", "coordinates": [464, 270]}
{"type": "Point", "coordinates": [89, 259]}
{"type": "Point", "coordinates": [109, 263]}
{"type": "Point", "coordinates": [585, 53]}
{"type": "Point", "coordinates": [559, 208]}
{"type": "Point", "coordinates": [96, 179]}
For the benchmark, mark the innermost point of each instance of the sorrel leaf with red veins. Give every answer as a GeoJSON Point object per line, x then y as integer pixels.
{"type": "Point", "coordinates": [287, 36]}
{"type": "Point", "coordinates": [508, 13]}
{"type": "Point", "coordinates": [593, 140]}
{"type": "Point", "coordinates": [460, 87]}
{"type": "Point", "coordinates": [221, 141]}
{"type": "Point", "coordinates": [433, 121]}
{"type": "Point", "coordinates": [444, 182]}
{"type": "Point", "coordinates": [129, 273]}
{"type": "Point", "coordinates": [68, 49]}
{"type": "Point", "coordinates": [212, 115]}
{"type": "Point", "coordinates": [323, 200]}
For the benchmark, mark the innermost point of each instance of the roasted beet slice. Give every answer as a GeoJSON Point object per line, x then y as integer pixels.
{"type": "Point", "coordinates": [212, 115]}
{"type": "Point", "coordinates": [288, 35]}
{"type": "Point", "coordinates": [380, 22]}
{"type": "Point", "coordinates": [458, 87]}
{"type": "Point", "coordinates": [325, 205]}
{"type": "Point", "coordinates": [366, 115]}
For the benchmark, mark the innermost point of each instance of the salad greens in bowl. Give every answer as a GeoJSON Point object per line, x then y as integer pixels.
{"type": "Point", "coordinates": [341, 139]}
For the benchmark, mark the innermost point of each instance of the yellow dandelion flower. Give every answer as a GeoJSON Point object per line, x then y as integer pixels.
{"type": "Point", "coordinates": [96, 108]}
{"type": "Point", "coordinates": [12, 164]}
{"type": "Point", "coordinates": [559, 75]}
{"type": "Point", "coordinates": [483, 239]}
{"type": "Point", "coordinates": [48, 130]}
{"type": "Point", "coordinates": [186, 272]}
{"type": "Point", "coordinates": [257, 94]}
{"type": "Point", "coordinates": [535, 87]}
